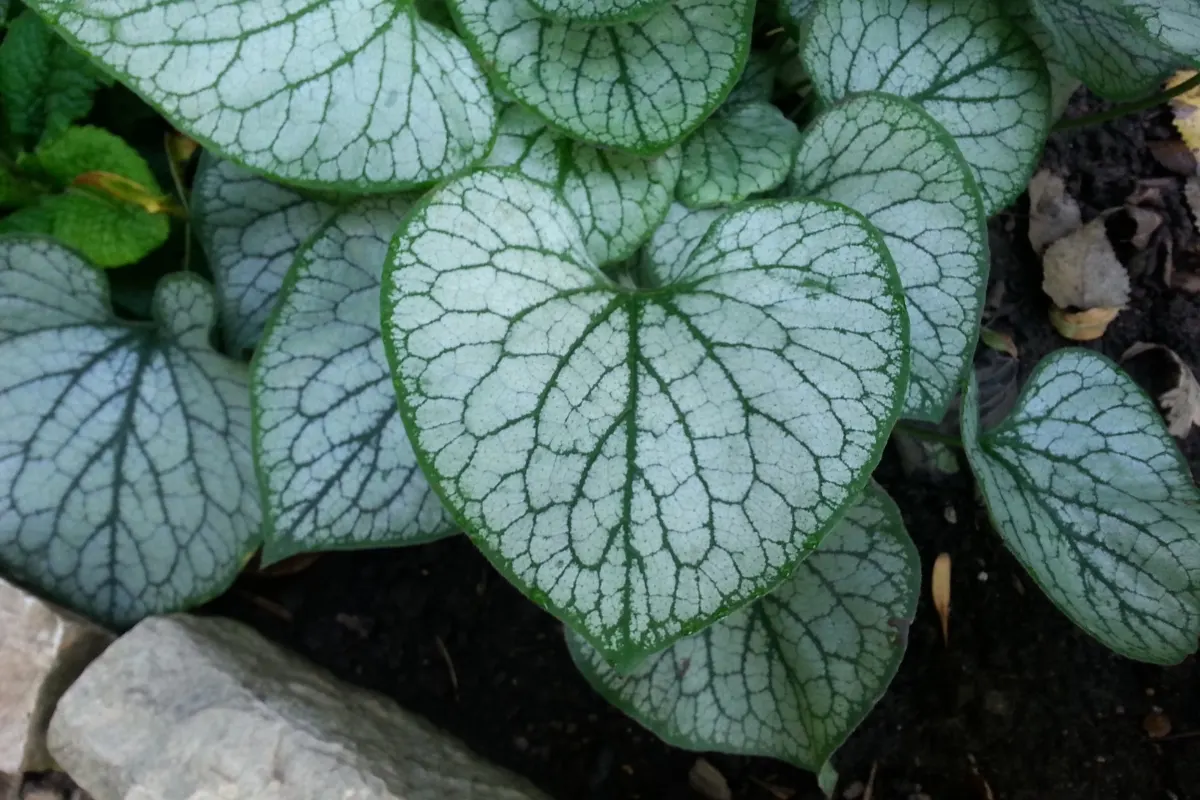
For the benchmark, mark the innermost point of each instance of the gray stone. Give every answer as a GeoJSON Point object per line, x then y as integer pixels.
{"type": "Point", "coordinates": [43, 648]}
{"type": "Point", "coordinates": [190, 708]}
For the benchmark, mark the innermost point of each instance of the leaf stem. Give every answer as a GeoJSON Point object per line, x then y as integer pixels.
{"type": "Point", "coordinates": [1127, 108]}
{"type": "Point", "coordinates": [918, 432]}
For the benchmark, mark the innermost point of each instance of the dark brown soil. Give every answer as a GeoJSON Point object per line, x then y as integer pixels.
{"type": "Point", "coordinates": [1018, 706]}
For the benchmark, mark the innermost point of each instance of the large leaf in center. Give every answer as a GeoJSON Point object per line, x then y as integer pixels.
{"type": "Point", "coordinates": [642, 461]}
{"type": "Point", "coordinates": [619, 199]}
{"type": "Point", "coordinates": [358, 94]}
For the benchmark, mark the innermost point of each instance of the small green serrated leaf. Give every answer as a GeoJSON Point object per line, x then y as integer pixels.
{"type": "Point", "coordinates": [109, 232]}
{"type": "Point", "coordinates": [642, 461]}
{"type": "Point", "coordinates": [355, 95]}
{"type": "Point", "coordinates": [739, 152]}
{"type": "Point", "coordinates": [336, 466]}
{"type": "Point", "coordinates": [1088, 490]}
{"type": "Point", "coordinates": [604, 12]}
{"type": "Point", "coordinates": [889, 160]}
{"type": "Point", "coordinates": [965, 62]}
{"type": "Point", "coordinates": [619, 199]}
{"type": "Point", "coordinates": [44, 83]}
{"type": "Point", "coordinates": [250, 229]}
{"type": "Point", "coordinates": [637, 86]}
{"type": "Point", "coordinates": [1100, 46]}
{"type": "Point", "coordinates": [792, 675]}
{"type": "Point", "coordinates": [127, 488]}
{"type": "Point", "coordinates": [15, 190]}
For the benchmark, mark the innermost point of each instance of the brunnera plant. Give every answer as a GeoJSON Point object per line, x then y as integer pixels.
{"type": "Point", "coordinates": [568, 276]}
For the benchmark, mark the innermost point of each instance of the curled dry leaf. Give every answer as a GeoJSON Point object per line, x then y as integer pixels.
{"type": "Point", "coordinates": [1082, 326]}
{"type": "Point", "coordinates": [1082, 274]}
{"type": "Point", "coordinates": [1052, 212]}
{"type": "Point", "coordinates": [1082, 271]}
{"type": "Point", "coordinates": [1165, 376]}
{"type": "Point", "coordinates": [707, 781]}
{"type": "Point", "coordinates": [1185, 108]}
{"type": "Point", "coordinates": [939, 588]}
{"type": "Point", "coordinates": [1191, 193]}
{"type": "Point", "coordinates": [1174, 155]}
{"type": "Point", "coordinates": [1187, 277]}
{"type": "Point", "coordinates": [996, 340]}
{"type": "Point", "coordinates": [1146, 221]}
{"type": "Point", "coordinates": [1139, 237]}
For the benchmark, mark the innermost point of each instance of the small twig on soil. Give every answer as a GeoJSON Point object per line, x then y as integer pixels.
{"type": "Point", "coordinates": [441, 646]}
{"type": "Point", "coordinates": [1184, 735]}
{"type": "Point", "coordinates": [269, 606]}
{"type": "Point", "coordinates": [918, 432]}
{"type": "Point", "coordinates": [1127, 108]}
{"type": "Point", "coordinates": [870, 792]}
{"type": "Point", "coordinates": [780, 792]}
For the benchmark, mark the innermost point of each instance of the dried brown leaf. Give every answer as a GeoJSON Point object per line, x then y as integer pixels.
{"type": "Point", "coordinates": [1191, 193]}
{"type": "Point", "coordinates": [939, 589]}
{"type": "Point", "coordinates": [998, 341]}
{"type": "Point", "coordinates": [1082, 326]}
{"type": "Point", "coordinates": [1081, 271]}
{"type": "Point", "coordinates": [1149, 192]}
{"type": "Point", "coordinates": [1180, 401]}
{"type": "Point", "coordinates": [1186, 109]}
{"type": "Point", "coordinates": [1185, 282]}
{"type": "Point", "coordinates": [707, 780]}
{"type": "Point", "coordinates": [1174, 155]}
{"type": "Point", "coordinates": [1052, 212]}
{"type": "Point", "coordinates": [1147, 221]}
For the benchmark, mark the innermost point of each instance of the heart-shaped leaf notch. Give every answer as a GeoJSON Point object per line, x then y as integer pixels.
{"type": "Point", "coordinates": [642, 461]}
{"type": "Point", "coordinates": [126, 485]}
{"type": "Point", "coordinates": [791, 675]}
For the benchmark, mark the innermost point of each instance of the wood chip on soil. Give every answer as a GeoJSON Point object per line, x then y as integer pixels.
{"type": "Point", "coordinates": [940, 591]}
{"type": "Point", "coordinates": [708, 781]}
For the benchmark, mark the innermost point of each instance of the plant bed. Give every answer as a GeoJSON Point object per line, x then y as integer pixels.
{"type": "Point", "coordinates": [637, 294]}
{"type": "Point", "coordinates": [1019, 700]}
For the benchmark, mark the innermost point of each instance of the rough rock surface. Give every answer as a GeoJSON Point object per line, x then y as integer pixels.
{"type": "Point", "coordinates": [190, 708]}
{"type": "Point", "coordinates": [43, 648]}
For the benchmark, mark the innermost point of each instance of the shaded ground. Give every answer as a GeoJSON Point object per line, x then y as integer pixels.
{"type": "Point", "coordinates": [1019, 705]}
